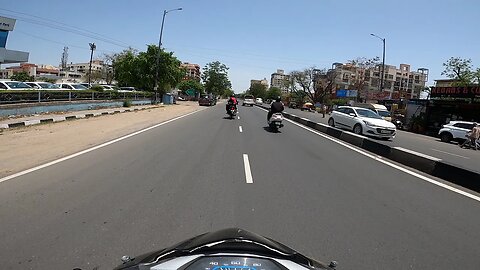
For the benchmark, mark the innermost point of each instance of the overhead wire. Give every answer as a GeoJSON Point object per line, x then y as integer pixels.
{"type": "Point", "coordinates": [69, 29]}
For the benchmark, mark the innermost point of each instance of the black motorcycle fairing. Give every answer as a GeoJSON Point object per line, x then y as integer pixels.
{"type": "Point", "coordinates": [233, 240]}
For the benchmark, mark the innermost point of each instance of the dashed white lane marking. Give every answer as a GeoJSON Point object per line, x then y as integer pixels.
{"type": "Point", "coordinates": [248, 172]}
{"type": "Point", "coordinates": [240, 129]}
{"type": "Point", "coordinates": [238, 117]}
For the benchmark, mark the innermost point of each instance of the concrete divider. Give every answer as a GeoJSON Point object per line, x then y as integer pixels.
{"type": "Point", "coordinates": [50, 120]}
{"type": "Point", "coordinates": [18, 124]}
{"type": "Point", "coordinates": [422, 163]}
{"type": "Point", "coordinates": [352, 138]}
{"type": "Point", "coordinates": [457, 175]}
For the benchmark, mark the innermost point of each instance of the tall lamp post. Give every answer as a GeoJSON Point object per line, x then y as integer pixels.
{"type": "Point", "coordinates": [92, 48]}
{"type": "Point", "coordinates": [383, 61]}
{"type": "Point", "coordinates": [160, 48]}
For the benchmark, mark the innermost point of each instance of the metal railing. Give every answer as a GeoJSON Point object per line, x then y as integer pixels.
{"type": "Point", "coordinates": [14, 97]}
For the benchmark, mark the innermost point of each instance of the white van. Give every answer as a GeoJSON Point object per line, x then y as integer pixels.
{"type": "Point", "coordinates": [378, 108]}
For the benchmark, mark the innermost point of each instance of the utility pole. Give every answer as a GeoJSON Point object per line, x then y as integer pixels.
{"type": "Point", "coordinates": [160, 50]}
{"type": "Point", "coordinates": [383, 62]}
{"type": "Point", "coordinates": [92, 48]}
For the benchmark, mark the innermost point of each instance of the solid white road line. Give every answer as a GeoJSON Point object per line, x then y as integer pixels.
{"type": "Point", "coordinates": [248, 172]}
{"type": "Point", "coordinates": [388, 163]}
{"type": "Point", "coordinates": [93, 148]}
{"type": "Point", "coordinates": [449, 153]}
{"type": "Point", "coordinates": [240, 129]}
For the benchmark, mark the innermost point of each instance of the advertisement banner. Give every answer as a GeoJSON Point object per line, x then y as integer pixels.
{"type": "Point", "coordinates": [7, 24]}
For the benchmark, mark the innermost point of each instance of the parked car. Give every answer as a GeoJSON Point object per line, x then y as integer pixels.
{"type": "Point", "coordinates": [43, 85]}
{"type": "Point", "coordinates": [107, 87]}
{"type": "Point", "coordinates": [362, 121]}
{"type": "Point", "coordinates": [127, 89]}
{"type": "Point", "coordinates": [455, 131]}
{"type": "Point", "coordinates": [206, 101]}
{"type": "Point", "coordinates": [87, 85]}
{"type": "Point", "coordinates": [259, 100]}
{"type": "Point", "coordinates": [14, 85]}
{"type": "Point", "coordinates": [378, 108]}
{"type": "Point", "coordinates": [248, 100]}
{"type": "Point", "coordinates": [71, 86]}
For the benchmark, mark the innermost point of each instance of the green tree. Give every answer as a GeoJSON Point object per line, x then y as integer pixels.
{"type": "Point", "coordinates": [191, 84]}
{"type": "Point", "coordinates": [22, 77]}
{"type": "Point", "coordinates": [228, 93]}
{"type": "Point", "coordinates": [459, 69]}
{"type": "Point", "coordinates": [139, 69]}
{"type": "Point", "coordinates": [273, 93]}
{"type": "Point", "coordinates": [258, 90]}
{"type": "Point", "coordinates": [215, 78]}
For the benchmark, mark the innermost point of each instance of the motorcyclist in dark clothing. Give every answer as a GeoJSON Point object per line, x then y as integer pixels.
{"type": "Point", "coordinates": [276, 107]}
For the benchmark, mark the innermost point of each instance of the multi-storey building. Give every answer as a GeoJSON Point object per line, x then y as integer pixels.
{"type": "Point", "coordinates": [399, 82]}
{"type": "Point", "coordinates": [263, 82]}
{"type": "Point", "coordinates": [192, 71]}
{"type": "Point", "coordinates": [279, 79]}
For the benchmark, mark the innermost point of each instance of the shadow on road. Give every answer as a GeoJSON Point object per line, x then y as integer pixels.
{"type": "Point", "coordinates": [228, 118]}
{"type": "Point", "coordinates": [268, 129]}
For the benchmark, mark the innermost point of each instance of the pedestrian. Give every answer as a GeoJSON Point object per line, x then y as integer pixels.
{"type": "Point", "coordinates": [324, 110]}
{"type": "Point", "coordinates": [472, 137]}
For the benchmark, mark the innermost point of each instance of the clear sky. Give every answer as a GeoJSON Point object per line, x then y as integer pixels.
{"type": "Point", "coordinates": [254, 37]}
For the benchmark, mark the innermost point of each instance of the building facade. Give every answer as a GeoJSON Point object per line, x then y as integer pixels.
{"type": "Point", "coordinates": [263, 82]}
{"type": "Point", "coordinates": [34, 70]}
{"type": "Point", "coordinates": [192, 71]}
{"type": "Point", "coordinates": [97, 65]}
{"type": "Point", "coordinates": [401, 82]}
{"type": "Point", "coordinates": [279, 79]}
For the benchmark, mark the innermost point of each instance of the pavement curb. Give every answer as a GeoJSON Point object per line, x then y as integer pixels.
{"type": "Point", "coordinates": [424, 163]}
{"type": "Point", "coordinates": [70, 117]}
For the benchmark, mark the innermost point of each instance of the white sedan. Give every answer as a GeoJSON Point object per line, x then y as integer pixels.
{"type": "Point", "coordinates": [362, 121]}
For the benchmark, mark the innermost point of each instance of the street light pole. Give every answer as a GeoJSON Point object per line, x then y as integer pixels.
{"type": "Point", "coordinates": [383, 61]}
{"type": "Point", "coordinates": [160, 48]}
{"type": "Point", "coordinates": [92, 48]}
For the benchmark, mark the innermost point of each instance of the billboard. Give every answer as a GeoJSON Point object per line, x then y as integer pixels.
{"type": "Point", "coordinates": [343, 93]}
{"type": "Point", "coordinates": [7, 24]}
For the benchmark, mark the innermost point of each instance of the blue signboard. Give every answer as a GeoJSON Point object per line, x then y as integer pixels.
{"type": "Point", "coordinates": [341, 93]}
{"type": "Point", "coordinates": [3, 38]}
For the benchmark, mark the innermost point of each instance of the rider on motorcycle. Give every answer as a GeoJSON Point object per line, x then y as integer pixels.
{"type": "Point", "coordinates": [276, 107]}
{"type": "Point", "coordinates": [232, 101]}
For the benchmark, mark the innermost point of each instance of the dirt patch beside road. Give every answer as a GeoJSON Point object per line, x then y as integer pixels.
{"type": "Point", "coordinates": [26, 147]}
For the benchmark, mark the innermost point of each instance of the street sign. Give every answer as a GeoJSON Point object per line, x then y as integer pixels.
{"type": "Point", "coordinates": [7, 24]}
{"type": "Point", "coordinates": [190, 92]}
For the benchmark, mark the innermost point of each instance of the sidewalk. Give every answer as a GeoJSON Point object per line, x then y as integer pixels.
{"type": "Point", "coordinates": [63, 116]}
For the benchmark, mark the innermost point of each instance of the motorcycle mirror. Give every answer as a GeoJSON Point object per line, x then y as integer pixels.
{"type": "Point", "coordinates": [126, 259]}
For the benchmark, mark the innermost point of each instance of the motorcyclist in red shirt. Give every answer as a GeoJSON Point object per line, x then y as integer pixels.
{"type": "Point", "coordinates": [232, 101]}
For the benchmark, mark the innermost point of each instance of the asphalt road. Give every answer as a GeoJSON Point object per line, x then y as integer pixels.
{"type": "Point", "coordinates": [188, 177]}
{"type": "Point", "coordinates": [449, 152]}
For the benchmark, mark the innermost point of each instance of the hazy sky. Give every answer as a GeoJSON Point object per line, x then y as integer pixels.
{"type": "Point", "coordinates": [252, 37]}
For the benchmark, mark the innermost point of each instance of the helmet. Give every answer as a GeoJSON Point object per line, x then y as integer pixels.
{"type": "Point", "coordinates": [232, 95]}
{"type": "Point", "coordinates": [278, 99]}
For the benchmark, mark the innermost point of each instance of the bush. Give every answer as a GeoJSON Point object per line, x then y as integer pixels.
{"type": "Point", "coordinates": [127, 103]}
{"type": "Point", "coordinates": [96, 88]}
